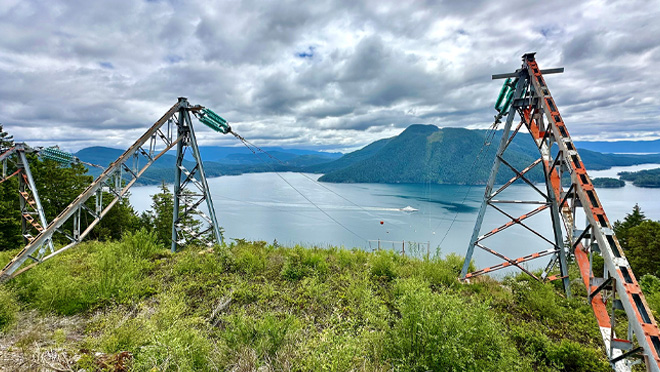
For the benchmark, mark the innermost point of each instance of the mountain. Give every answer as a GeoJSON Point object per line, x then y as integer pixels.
{"type": "Point", "coordinates": [426, 153]}
{"type": "Point", "coordinates": [348, 159]}
{"type": "Point", "coordinates": [598, 161]}
{"type": "Point", "coordinates": [420, 154]}
{"type": "Point", "coordinates": [620, 147]}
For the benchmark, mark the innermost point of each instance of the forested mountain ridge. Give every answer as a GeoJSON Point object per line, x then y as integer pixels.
{"type": "Point", "coordinates": [225, 161]}
{"type": "Point", "coordinates": [426, 153]}
{"type": "Point", "coordinates": [420, 154]}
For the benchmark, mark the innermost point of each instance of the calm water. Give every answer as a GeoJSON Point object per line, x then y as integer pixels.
{"type": "Point", "coordinates": [266, 206]}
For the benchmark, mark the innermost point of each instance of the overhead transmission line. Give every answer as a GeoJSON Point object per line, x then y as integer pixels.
{"type": "Point", "coordinates": [252, 148]}
{"type": "Point", "coordinates": [490, 134]}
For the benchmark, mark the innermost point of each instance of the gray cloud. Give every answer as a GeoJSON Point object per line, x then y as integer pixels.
{"type": "Point", "coordinates": [329, 73]}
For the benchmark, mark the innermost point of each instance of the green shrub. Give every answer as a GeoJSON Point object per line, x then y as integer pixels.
{"type": "Point", "coordinates": [301, 262]}
{"type": "Point", "coordinates": [293, 269]}
{"type": "Point", "coordinates": [570, 356]}
{"type": "Point", "coordinates": [382, 266]}
{"type": "Point", "coordinates": [436, 271]}
{"type": "Point", "coordinates": [334, 350]}
{"type": "Point", "coordinates": [531, 343]}
{"type": "Point", "coordinates": [651, 287]}
{"type": "Point", "coordinates": [250, 261]}
{"type": "Point", "coordinates": [443, 332]}
{"type": "Point", "coordinates": [535, 298]}
{"type": "Point", "coordinates": [266, 334]}
{"type": "Point", "coordinates": [246, 293]}
{"type": "Point", "coordinates": [93, 274]}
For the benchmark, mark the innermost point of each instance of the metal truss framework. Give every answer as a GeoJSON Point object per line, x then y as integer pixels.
{"type": "Point", "coordinates": [33, 219]}
{"type": "Point", "coordinates": [172, 129]}
{"type": "Point", "coordinates": [530, 97]}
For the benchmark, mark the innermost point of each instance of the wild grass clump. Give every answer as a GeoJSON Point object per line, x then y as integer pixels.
{"type": "Point", "coordinates": [94, 275]}
{"type": "Point", "coordinates": [302, 262]}
{"type": "Point", "coordinates": [8, 308]}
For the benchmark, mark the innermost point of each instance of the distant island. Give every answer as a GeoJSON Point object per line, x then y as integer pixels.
{"type": "Point", "coordinates": [608, 183]}
{"type": "Point", "coordinates": [643, 178]}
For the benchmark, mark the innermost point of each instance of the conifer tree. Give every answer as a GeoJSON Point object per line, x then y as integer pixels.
{"type": "Point", "coordinates": [6, 141]}
{"type": "Point", "coordinates": [622, 229]}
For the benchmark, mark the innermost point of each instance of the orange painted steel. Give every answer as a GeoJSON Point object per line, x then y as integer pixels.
{"type": "Point", "coordinates": [632, 298]}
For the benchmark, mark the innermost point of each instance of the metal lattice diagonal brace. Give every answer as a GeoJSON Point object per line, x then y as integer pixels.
{"type": "Point", "coordinates": [174, 128]}
{"type": "Point", "coordinates": [528, 96]}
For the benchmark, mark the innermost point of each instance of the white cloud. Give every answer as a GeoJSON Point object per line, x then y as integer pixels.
{"type": "Point", "coordinates": [334, 74]}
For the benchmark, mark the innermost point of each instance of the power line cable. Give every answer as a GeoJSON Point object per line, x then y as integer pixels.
{"type": "Point", "coordinates": [245, 142]}
{"type": "Point", "coordinates": [490, 134]}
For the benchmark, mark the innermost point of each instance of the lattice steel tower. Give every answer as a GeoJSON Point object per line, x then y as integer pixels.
{"type": "Point", "coordinates": [191, 189]}
{"type": "Point", "coordinates": [526, 94]}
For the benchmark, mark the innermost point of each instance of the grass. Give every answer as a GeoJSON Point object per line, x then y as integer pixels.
{"type": "Point", "coordinates": [254, 306]}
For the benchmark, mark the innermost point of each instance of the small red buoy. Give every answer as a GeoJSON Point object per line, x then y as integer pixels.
{"type": "Point", "coordinates": [382, 222]}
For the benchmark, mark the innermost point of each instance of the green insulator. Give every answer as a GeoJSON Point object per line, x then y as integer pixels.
{"type": "Point", "coordinates": [215, 117]}
{"type": "Point", "coordinates": [57, 155]}
{"type": "Point", "coordinates": [214, 121]}
{"type": "Point", "coordinates": [507, 102]}
{"type": "Point", "coordinates": [503, 91]}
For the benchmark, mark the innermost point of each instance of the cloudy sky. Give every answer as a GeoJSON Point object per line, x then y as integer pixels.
{"type": "Point", "coordinates": [326, 74]}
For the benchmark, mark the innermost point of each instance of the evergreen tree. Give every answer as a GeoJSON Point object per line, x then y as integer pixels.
{"type": "Point", "coordinates": [644, 248]}
{"type": "Point", "coordinates": [6, 141]}
{"type": "Point", "coordinates": [159, 218]}
{"type": "Point", "coordinates": [622, 229]}
{"type": "Point", "coordinates": [120, 219]}
{"type": "Point", "coordinates": [10, 223]}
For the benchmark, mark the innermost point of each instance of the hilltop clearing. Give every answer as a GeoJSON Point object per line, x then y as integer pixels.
{"type": "Point", "coordinates": [255, 306]}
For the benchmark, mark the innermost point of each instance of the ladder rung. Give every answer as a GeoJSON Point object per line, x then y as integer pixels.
{"type": "Point", "coordinates": [621, 344]}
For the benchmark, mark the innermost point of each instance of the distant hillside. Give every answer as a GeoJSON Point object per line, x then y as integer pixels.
{"type": "Point", "coordinates": [426, 153]}
{"type": "Point", "coordinates": [621, 147]}
{"type": "Point", "coordinates": [598, 161]}
{"type": "Point", "coordinates": [348, 159]}
{"type": "Point", "coordinates": [230, 161]}
{"type": "Point", "coordinates": [242, 155]}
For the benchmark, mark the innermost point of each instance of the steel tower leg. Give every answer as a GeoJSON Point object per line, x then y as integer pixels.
{"type": "Point", "coordinates": [491, 180]}
{"type": "Point", "coordinates": [202, 176]}
{"type": "Point", "coordinates": [190, 200]}
{"type": "Point", "coordinates": [177, 179]}
{"type": "Point", "coordinates": [31, 185]}
{"type": "Point", "coordinates": [559, 241]}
